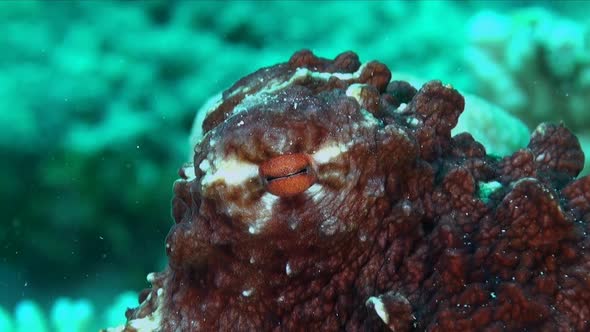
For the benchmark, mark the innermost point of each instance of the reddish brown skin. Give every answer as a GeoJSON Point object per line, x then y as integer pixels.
{"type": "Point", "coordinates": [412, 226]}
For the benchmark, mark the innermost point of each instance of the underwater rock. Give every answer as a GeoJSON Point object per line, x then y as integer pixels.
{"type": "Point", "coordinates": [325, 196]}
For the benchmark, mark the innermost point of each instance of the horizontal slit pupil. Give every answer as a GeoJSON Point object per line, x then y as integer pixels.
{"type": "Point", "coordinates": [301, 171]}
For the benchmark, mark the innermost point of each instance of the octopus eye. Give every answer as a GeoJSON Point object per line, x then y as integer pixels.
{"type": "Point", "coordinates": [287, 175]}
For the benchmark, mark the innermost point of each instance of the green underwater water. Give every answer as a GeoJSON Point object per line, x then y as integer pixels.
{"type": "Point", "coordinates": [97, 100]}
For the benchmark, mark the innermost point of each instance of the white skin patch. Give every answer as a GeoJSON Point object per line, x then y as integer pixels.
{"type": "Point", "coordinates": [205, 165]}
{"type": "Point", "coordinates": [354, 91]}
{"type": "Point", "coordinates": [247, 292]}
{"type": "Point", "coordinates": [189, 172]}
{"type": "Point", "coordinates": [540, 157]}
{"type": "Point", "coordinates": [327, 153]}
{"type": "Point", "coordinates": [316, 192]}
{"type": "Point", "coordinates": [491, 186]}
{"type": "Point", "coordinates": [401, 108]}
{"type": "Point", "coordinates": [268, 200]}
{"type": "Point", "coordinates": [379, 308]}
{"type": "Point", "coordinates": [264, 213]}
{"type": "Point", "coordinates": [288, 270]}
{"type": "Point", "coordinates": [329, 226]}
{"type": "Point", "coordinates": [149, 323]}
{"type": "Point", "coordinates": [369, 119]}
{"type": "Point", "coordinates": [249, 101]}
{"type": "Point", "coordinates": [210, 105]}
{"type": "Point", "coordinates": [258, 221]}
{"type": "Point", "coordinates": [413, 122]}
{"type": "Point", "coordinates": [272, 87]}
{"type": "Point", "coordinates": [294, 223]}
{"type": "Point", "coordinates": [231, 171]}
{"type": "Point", "coordinates": [340, 76]}
{"type": "Point", "coordinates": [540, 130]}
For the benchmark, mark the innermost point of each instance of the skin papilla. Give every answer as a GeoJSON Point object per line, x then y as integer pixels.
{"type": "Point", "coordinates": [326, 197]}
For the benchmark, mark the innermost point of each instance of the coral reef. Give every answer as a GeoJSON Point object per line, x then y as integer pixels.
{"type": "Point", "coordinates": [533, 63]}
{"type": "Point", "coordinates": [543, 59]}
{"type": "Point", "coordinates": [65, 315]}
{"type": "Point", "coordinates": [325, 196]}
{"type": "Point", "coordinates": [497, 130]}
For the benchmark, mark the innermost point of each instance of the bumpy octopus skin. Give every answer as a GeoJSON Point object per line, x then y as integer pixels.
{"type": "Point", "coordinates": [326, 197]}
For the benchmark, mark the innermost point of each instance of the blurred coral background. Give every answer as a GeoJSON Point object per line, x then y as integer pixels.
{"type": "Point", "coordinates": [97, 100]}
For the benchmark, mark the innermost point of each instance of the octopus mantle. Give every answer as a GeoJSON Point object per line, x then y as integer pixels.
{"type": "Point", "coordinates": [326, 197]}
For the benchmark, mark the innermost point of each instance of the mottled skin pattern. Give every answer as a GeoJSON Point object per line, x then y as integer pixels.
{"type": "Point", "coordinates": [405, 227]}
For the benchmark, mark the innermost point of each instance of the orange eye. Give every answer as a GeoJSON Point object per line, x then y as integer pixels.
{"type": "Point", "coordinates": [287, 175]}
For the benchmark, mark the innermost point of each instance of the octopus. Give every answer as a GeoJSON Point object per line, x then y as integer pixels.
{"type": "Point", "coordinates": [325, 196]}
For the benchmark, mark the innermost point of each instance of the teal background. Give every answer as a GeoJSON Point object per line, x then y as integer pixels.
{"type": "Point", "coordinates": [97, 100]}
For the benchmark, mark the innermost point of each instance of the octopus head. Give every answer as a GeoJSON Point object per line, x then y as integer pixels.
{"type": "Point", "coordinates": [293, 158]}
